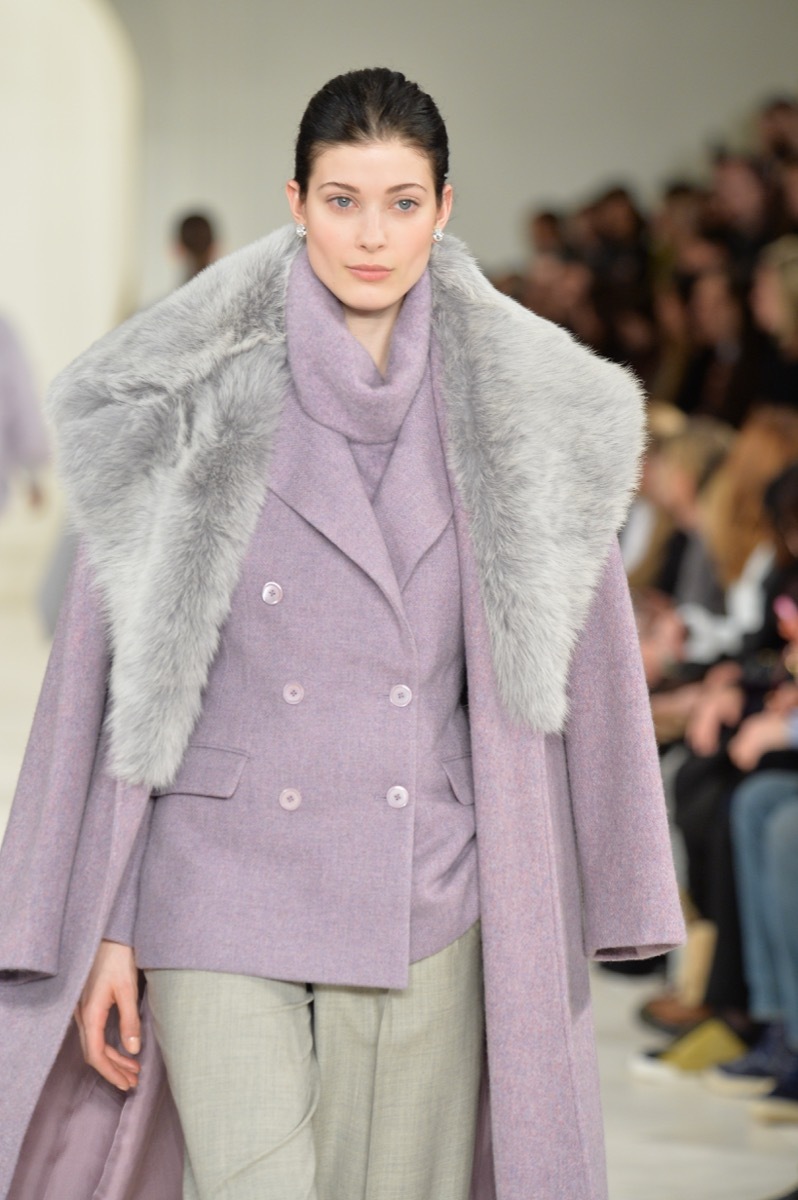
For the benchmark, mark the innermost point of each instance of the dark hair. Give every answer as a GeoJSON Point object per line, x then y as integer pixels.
{"type": "Point", "coordinates": [195, 233]}
{"type": "Point", "coordinates": [367, 106]}
{"type": "Point", "coordinates": [781, 500]}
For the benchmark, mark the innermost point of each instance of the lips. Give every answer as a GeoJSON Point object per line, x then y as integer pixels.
{"type": "Point", "coordinates": [371, 273]}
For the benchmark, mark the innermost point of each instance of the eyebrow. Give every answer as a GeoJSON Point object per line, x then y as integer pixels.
{"type": "Point", "coordinates": [348, 187]}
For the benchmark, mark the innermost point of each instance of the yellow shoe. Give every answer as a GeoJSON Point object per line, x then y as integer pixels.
{"type": "Point", "coordinates": [708, 1045]}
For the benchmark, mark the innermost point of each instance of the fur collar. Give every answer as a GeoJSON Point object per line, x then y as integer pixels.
{"type": "Point", "coordinates": [164, 432]}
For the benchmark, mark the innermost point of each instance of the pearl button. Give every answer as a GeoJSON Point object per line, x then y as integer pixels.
{"type": "Point", "coordinates": [293, 693]}
{"type": "Point", "coordinates": [401, 695]}
{"type": "Point", "coordinates": [272, 593]}
{"type": "Point", "coordinates": [398, 797]}
{"type": "Point", "coordinates": [290, 798]}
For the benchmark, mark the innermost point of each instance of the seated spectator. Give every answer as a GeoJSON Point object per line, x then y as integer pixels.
{"type": "Point", "coordinates": [648, 530]}
{"type": "Point", "coordinates": [777, 134]}
{"type": "Point", "coordinates": [741, 211]}
{"type": "Point", "coordinates": [764, 821]}
{"type": "Point", "coordinates": [674, 222]}
{"type": "Point", "coordinates": [738, 533]}
{"type": "Point", "coordinates": [546, 233]}
{"type": "Point", "coordinates": [681, 469]}
{"type": "Point", "coordinates": [721, 373]}
{"type": "Point", "coordinates": [787, 196]}
{"type": "Point", "coordinates": [706, 778]}
{"type": "Point", "coordinates": [774, 304]}
{"type": "Point", "coordinates": [674, 343]}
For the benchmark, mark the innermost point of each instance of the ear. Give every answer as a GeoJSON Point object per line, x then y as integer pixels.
{"type": "Point", "coordinates": [445, 206]}
{"type": "Point", "coordinates": [295, 201]}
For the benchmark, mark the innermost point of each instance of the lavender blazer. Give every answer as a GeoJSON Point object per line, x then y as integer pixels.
{"type": "Point", "coordinates": [574, 858]}
{"type": "Point", "coordinates": [278, 850]}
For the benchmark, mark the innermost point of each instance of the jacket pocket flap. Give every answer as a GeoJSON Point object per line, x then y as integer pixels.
{"type": "Point", "coordinates": [461, 777]}
{"type": "Point", "coordinates": [207, 771]}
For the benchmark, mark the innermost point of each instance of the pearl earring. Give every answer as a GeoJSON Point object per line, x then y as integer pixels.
{"type": "Point", "coordinates": [301, 231]}
{"type": "Point", "coordinates": [437, 235]}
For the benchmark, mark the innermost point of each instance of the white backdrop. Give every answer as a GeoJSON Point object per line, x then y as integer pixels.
{"type": "Point", "coordinates": [69, 148]}
{"type": "Point", "coordinates": [543, 98]}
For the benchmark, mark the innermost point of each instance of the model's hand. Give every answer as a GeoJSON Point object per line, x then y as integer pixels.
{"type": "Point", "coordinates": [113, 980]}
{"type": "Point", "coordinates": [759, 734]}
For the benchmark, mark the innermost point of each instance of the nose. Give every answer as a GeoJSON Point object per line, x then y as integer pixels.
{"type": "Point", "coordinates": [371, 231]}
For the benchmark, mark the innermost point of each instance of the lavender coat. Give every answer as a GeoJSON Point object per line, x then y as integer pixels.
{"type": "Point", "coordinates": [542, 440]}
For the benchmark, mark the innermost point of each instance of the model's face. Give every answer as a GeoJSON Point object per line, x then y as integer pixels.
{"type": "Point", "coordinates": [370, 212]}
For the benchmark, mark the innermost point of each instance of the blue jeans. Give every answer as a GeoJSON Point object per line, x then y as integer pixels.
{"type": "Point", "coordinates": [764, 821]}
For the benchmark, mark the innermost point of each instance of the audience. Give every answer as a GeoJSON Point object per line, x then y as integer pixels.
{"type": "Point", "coordinates": [700, 298]}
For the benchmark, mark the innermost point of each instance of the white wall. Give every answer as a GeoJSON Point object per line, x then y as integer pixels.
{"type": "Point", "coordinates": [69, 108]}
{"type": "Point", "coordinates": [544, 98]}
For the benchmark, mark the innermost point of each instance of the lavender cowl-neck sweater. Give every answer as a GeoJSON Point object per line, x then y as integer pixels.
{"type": "Point", "coordinates": [332, 730]}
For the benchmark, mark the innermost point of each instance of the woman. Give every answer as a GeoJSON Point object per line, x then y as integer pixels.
{"type": "Point", "coordinates": [318, 487]}
{"type": "Point", "coordinates": [774, 302]}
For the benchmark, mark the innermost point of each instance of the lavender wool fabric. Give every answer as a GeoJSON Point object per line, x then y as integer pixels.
{"type": "Point", "coordinates": [343, 888]}
{"type": "Point", "coordinates": [574, 859]}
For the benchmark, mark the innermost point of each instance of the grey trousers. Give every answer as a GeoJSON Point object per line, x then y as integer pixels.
{"type": "Point", "coordinates": [292, 1092]}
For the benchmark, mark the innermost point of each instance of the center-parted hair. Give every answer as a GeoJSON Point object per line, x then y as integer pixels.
{"type": "Point", "coordinates": [371, 105]}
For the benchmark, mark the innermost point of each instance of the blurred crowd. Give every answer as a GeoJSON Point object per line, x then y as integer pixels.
{"type": "Point", "coordinates": [700, 297]}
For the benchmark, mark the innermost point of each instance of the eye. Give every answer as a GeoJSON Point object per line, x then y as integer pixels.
{"type": "Point", "coordinates": [406, 204]}
{"type": "Point", "coordinates": [341, 201]}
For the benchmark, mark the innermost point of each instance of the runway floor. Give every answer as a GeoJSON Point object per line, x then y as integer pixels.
{"type": "Point", "coordinates": [664, 1142]}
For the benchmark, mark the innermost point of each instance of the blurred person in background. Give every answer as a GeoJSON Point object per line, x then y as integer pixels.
{"type": "Point", "coordinates": [728, 728]}
{"type": "Point", "coordinates": [776, 135]}
{"type": "Point", "coordinates": [678, 476]}
{"type": "Point", "coordinates": [721, 372]}
{"type": "Point", "coordinates": [741, 211]}
{"type": "Point", "coordinates": [648, 529]}
{"type": "Point", "coordinates": [675, 221]}
{"type": "Point", "coordinates": [788, 196]}
{"type": "Point", "coordinates": [23, 438]}
{"type": "Point", "coordinates": [774, 304]}
{"type": "Point", "coordinates": [670, 316]}
{"type": "Point", "coordinates": [738, 533]}
{"type": "Point", "coordinates": [195, 243]}
{"type": "Point", "coordinates": [730, 691]}
{"type": "Point", "coordinates": [546, 233]}
{"type": "Point", "coordinates": [764, 824]}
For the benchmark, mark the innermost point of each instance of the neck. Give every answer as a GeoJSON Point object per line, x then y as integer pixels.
{"type": "Point", "coordinates": [373, 330]}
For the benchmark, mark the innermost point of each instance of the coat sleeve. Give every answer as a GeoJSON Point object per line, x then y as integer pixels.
{"type": "Point", "coordinates": [122, 920]}
{"type": "Point", "coordinates": [630, 899]}
{"type": "Point", "coordinates": [37, 855]}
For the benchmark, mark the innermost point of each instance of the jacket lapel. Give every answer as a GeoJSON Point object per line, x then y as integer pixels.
{"type": "Point", "coordinates": [413, 505]}
{"type": "Point", "coordinates": [314, 472]}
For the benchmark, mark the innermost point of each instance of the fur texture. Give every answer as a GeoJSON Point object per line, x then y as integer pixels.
{"type": "Point", "coordinates": [165, 429]}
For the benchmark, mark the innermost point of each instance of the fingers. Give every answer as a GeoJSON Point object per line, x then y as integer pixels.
{"type": "Point", "coordinates": [109, 1062]}
{"type": "Point", "coordinates": [129, 1021]}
